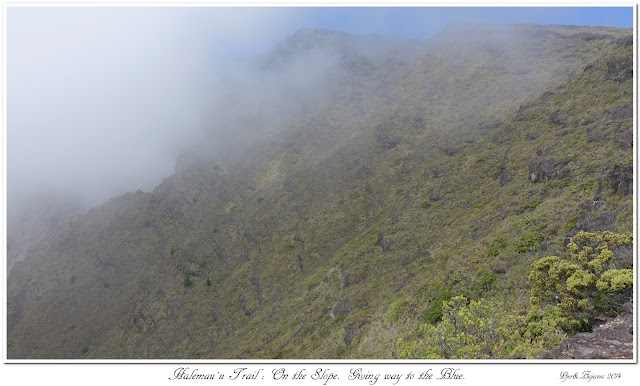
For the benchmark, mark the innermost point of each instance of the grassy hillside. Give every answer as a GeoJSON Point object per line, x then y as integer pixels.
{"type": "Point", "coordinates": [441, 173]}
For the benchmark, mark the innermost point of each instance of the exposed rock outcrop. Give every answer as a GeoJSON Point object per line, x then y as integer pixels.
{"type": "Point", "coordinates": [555, 119]}
{"type": "Point", "coordinates": [545, 169]}
{"type": "Point", "coordinates": [351, 331]}
{"type": "Point", "coordinates": [504, 173]}
{"type": "Point", "coordinates": [612, 340]}
{"type": "Point", "coordinates": [620, 179]}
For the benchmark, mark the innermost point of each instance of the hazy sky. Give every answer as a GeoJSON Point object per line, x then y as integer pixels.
{"type": "Point", "coordinates": [424, 22]}
{"type": "Point", "coordinates": [100, 99]}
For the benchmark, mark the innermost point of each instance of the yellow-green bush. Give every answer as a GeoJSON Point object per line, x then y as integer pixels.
{"type": "Point", "coordinates": [483, 330]}
{"type": "Point", "coordinates": [582, 281]}
{"type": "Point", "coordinates": [565, 293]}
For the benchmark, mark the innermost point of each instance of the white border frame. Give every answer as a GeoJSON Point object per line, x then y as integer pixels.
{"type": "Point", "coordinates": [513, 365]}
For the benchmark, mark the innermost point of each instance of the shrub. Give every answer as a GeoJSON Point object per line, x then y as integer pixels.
{"type": "Point", "coordinates": [433, 314]}
{"type": "Point", "coordinates": [571, 222]}
{"type": "Point", "coordinates": [397, 310]}
{"type": "Point", "coordinates": [566, 293]}
{"type": "Point", "coordinates": [582, 282]}
{"type": "Point", "coordinates": [528, 241]}
{"type": "Point", "coordinates": [584, 187]}
{"type": "Point", "coordinates": [615, 280]}
{"type": "Point", "coordinates": [482, 329]}
{"type": "Point", "coordinates": [425, 205]}
{"type": "Point", "coordinates": [530, 205]}
{"type": "Point", "coordinates": [187, 282]}
{"type": "Point", "coordinates": [500, 242]}
{"type": "Point", "coordinates": [559, 183]}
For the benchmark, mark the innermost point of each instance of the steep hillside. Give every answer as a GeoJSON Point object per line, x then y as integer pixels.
{"type": "Point", "coordinates": [432, 169]}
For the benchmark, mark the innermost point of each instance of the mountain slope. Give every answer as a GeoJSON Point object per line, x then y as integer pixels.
{"type": "Point", "coordinates": [443, 172]}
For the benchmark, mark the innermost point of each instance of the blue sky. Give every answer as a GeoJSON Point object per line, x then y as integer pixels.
{"type": "Point", "coordinates": [414, 22]}
{"type": "Point", "coordinates": [422, 22]}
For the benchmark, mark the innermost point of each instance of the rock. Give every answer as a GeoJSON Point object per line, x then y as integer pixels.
{"type": "Point", "coordinates": [146, 316]}
{"type": "Point", "coordinates": [434, 196]}
{"type": "Point", "coordinates": [622, 255]}
{"type": "Point", "coordinates": [300, 262]}
{"type": "Point", "coordinates": [384, 244]}
{"type": "Point", "coordinates": [243, 304]}
{"type": "Point", "coordinates": [410, 258]}
{"type": "Point", "coordinates": [541, 169]}
{"type": "Point", "coordinates": [436, 171]}
{"type": "Point", "coordinates": [592, 36]}
{"type": "Point", "coordinates": [612, 340]}
{"type": "Point", "coordinates": [595, 222]}
{"type": "Point", "coordinates": [625, 140]}
{"type": "Point", "coordinates": [504, 174]}
{"type": "Point", "coordinates": [520, 115]}
{"type": "Point", "coordinates": [449, 150]}
{"type": "Point", "coordinates": [385, 139]}
{"type": "Point", "coordinates": [620, 69]}
{"type": "Point", "coordinates": [256, 282]}
{"type": "Point", "coordinates": [355, 277]}
{"type": "Point", "coordinates": [555, 119]}
{"type": "Point", "coordinates": [626, 41]}
{"type": "Point", "coordinates": [595, 134]}
{"type": "Point", "coordinates": [351, 331]}
{"type": "Point", "coordinates": [341, 308]}
{"type": "Point", "coordinates": [620, 179]}
{"type": "Point", "coordinates": [397, 217]}
{"type": "Point", "coordinates": [621, 112]}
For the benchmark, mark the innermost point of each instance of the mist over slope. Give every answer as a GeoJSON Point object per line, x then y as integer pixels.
{"type": "Point", "coordinates": [329, 212]}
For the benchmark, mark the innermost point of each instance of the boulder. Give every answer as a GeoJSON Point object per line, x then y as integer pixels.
{"type": "Point", "coordinates": [542, 169]}
{"type": "Point", "coordinates": [620, 179]}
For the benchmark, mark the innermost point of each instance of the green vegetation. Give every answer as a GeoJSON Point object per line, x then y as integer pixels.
{"type": "Point", "coordinates": [482, 330]}
{"type": "Point", "coordinates": [434, 312]}
{"type": "Point", "coordinates": [586, 280]}
{"type": "Point", "coordinates": [584, 187]}
{"type": "Point", "coordinates": [401, 220]}
{"type": "Point", "coordinates": [530, 205]}
{"type": "Point", "coordinates": [566, 293]}
{"type": "Point", "coordinates": [528, 241]}
{"type": "Point", "coordinates": [571, 222]}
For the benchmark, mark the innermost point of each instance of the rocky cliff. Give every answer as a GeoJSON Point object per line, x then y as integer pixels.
{"type": "Point", "coordinates": [610, 340]}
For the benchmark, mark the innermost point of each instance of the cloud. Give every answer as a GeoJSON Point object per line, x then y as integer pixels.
{"type": "Point", "coordinates": [101, 100]}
